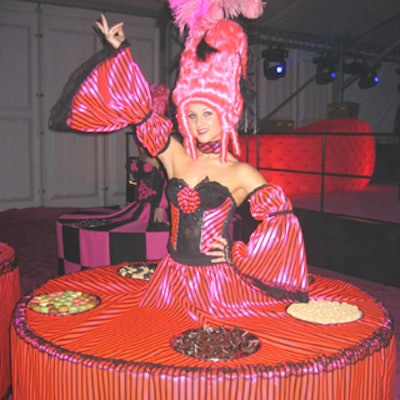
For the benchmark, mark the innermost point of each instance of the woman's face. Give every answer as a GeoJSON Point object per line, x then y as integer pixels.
{"type": "Point", "coordinates": [203, 123]}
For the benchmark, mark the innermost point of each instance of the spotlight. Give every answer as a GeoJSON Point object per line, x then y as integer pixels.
{"type": "Point", "coordinates": [368, 76]}
{"type": "Point", "coordinates": [274, 70]}
{"type": "Point", "coordinates": [274, 63]}
{"type": "Point", "coordinates": [368, 79]}
{"type": "Point", "coordinates": [326, 70]}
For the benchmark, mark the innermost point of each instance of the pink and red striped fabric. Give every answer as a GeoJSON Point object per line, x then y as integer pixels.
{"type": "Point", "coordinates": [120, 350]}
{"type": "Point", "coordinates": [116, 95]}
{"type": "Point", "coordinates": [275, 254]}
{"type": "Point", "coordinates": [9, 296]}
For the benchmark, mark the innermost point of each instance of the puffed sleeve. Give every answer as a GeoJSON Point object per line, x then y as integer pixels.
{"type": "Point", "coordinates": [274, 258]}
{"type": "Point", "coordinates": [107, 94]}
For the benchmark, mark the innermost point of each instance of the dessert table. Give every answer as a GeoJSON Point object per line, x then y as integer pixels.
{"type": "Point", "coordinates": [119, 350]}
{"type": "Point", "coordinates": [9, 295]}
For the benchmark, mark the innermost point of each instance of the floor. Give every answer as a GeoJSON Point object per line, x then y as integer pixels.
{"type": "Point", "coordinates": [376, 201]}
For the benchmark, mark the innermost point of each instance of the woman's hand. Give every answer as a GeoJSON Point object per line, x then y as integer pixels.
{"type": "Point", "coordinates": [114, 35]}
{"type": "Point", "coordinates": [220, 249]}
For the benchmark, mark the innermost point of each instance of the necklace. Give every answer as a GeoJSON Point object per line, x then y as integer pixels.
{"type": "Point", "coordinates": [210, 147]}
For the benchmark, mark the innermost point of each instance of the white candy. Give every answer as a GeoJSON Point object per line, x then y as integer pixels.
{"type": "Point", "coordinates": [325, 312]}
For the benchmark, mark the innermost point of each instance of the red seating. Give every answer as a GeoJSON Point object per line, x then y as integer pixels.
{"type": "Point", "coordinates": [351, 155]}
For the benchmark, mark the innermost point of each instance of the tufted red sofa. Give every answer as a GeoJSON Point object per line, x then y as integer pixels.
{"type": "Point", "coordinates": [344, 154]}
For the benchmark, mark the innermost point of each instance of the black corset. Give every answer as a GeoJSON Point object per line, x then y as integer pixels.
{"type": "Point", "coordinates": [210, 210]}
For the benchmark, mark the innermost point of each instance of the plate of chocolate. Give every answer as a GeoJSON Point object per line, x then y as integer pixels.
{"type": "Point", "coordinates": [215, 343]}
{"type": "Point", "coordinates": [63, 302]}
{"type": "Point", "coordinates": [138, 270]}
{"type": "Point", "coordinates": [91, 223]}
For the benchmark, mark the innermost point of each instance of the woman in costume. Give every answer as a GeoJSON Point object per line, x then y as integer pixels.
{"type": "Point", "coordinates": [130, 347]}
{"type": "Point", "coordinates": [205, 276]}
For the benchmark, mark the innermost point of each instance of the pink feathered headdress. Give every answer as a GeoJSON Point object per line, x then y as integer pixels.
{"type": "Point", "coordinates": [214, 82]}
{"type": "Point", "coordinates": [201, 14]}
{"type": "Point", "coordinates": [212, 64]}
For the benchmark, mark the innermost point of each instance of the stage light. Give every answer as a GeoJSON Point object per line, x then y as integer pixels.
{"type": "Point", "coordinates": [368, 76]}
{"type": "Point", "coordinates": [368, 79]}
{"type": "Point", "coordinates": [274, 63]}
{"type": "Point", "coordinates": [274, 70]}
{"type": "Point", "coordinates": [326, 70]}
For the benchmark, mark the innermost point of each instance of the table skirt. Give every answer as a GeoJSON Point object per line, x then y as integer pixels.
{"type": "Point", "coordinates": [119, 350]}
{"type": "Point", "coordinates": [9, 296]}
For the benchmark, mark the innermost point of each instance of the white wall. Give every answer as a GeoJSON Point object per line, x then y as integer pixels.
{"type": "Point", "coordinates": [19, 108]}
{"type": "Point", "coordinates": [39, 49]}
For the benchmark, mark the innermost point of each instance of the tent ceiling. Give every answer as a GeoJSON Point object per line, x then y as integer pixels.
{"type": "Point", "coordinates": [348, 24]}
{"type": "Point", "coordinates": [369, 25]}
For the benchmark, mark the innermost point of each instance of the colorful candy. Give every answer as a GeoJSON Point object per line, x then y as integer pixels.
{"type": "Point", "coordinates": [62, 303]}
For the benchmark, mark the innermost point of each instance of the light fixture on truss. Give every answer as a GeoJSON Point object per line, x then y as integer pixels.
{"type": "Point", "coordinates": [274, 62]}
{"type": "Point", "coordinates": [326, 69]}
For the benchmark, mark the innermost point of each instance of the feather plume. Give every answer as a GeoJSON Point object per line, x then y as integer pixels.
{"type": "Point", "coordinates": [199, 15]}
{"type": "Point", "coordinates": [187, 12]}
{"type": "Point", "coordinates": [248, 8]}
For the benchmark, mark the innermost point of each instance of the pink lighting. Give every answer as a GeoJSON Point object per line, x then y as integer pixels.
{"type": "Point", "coordinates": [352, 155]}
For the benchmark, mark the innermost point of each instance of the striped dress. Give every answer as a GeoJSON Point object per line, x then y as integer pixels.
{"type": "Point", "coordinates": [270, 268]}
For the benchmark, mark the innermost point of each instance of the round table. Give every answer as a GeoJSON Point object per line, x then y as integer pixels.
{"type": "Point", "coordinates": [124, 238]}
{"type": "Point", "coordinates": [119, 350]}
{"type": "Point", "coordinates": [9, 295]}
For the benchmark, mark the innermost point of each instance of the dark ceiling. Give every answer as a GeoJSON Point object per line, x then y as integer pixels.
{"type": "Point", "coordinates": [373, 26]}
{"type": "Point", "coordinates": [369, 26]}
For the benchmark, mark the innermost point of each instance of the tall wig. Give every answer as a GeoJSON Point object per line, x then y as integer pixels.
{"type": "Point", "coordinates": [212, 65]}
